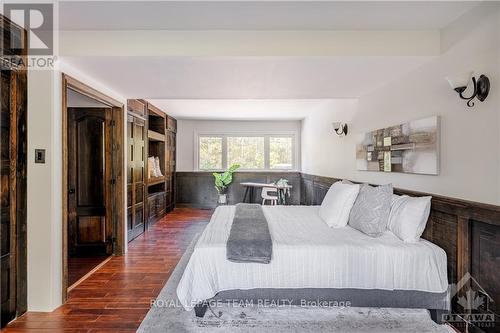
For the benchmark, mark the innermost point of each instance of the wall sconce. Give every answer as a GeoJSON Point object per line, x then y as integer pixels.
{"type": "Point", "coordinates": [481, 87]}
{"type": "Point", "coordinates": [340, 128]}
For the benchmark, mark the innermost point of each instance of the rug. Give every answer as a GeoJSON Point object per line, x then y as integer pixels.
{"type": "Point", "coordinates": [167, 315]}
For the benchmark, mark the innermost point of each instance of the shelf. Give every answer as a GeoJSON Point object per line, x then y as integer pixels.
{"type": "Point", "coordinates": [155, 181]}
{"type": "Point", "coordinates": [154, 194]}
{"type": "Point", "coordinates": [155, 136]}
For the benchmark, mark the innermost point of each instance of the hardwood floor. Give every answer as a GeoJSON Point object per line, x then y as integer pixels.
{"type": "Point", "coordinates": [117, 297]}
{"type": "Point", "coordinates": [79, 267]}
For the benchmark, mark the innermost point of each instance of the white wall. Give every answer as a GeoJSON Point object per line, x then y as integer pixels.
{"type": "Point", "coordinates": [44, 193]}
{"type": "Point", "coordinates": [187, 129]}
{"type": "Point", "coordinates": [44, 188]}
{"type": "Point", "coordinates": [470, 147]}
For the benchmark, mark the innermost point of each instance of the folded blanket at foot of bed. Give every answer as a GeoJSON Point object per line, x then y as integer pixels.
{"type": "Point", "coordinates": [249, 239]}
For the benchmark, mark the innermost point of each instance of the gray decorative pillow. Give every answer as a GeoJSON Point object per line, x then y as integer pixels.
{"type": "Point", "coordinates": [370, 213]}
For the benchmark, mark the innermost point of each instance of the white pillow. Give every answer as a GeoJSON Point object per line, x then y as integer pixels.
{"type": "Point", "coordinates": [409, 217]}
{"type": "Point", "coordinates": [337, 204]}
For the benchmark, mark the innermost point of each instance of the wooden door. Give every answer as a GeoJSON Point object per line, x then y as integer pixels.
{"type": "Point", "coordinates": [136, 138]}
{"type": "Point", "coordinates": [90, 227]}
{"type": "Point", "coordinates": [13, 150]}
{"type": "Point", "coordinates": [13, 91]}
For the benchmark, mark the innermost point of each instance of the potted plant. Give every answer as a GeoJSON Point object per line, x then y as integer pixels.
{"type": "Point", "coordinates": [222, 181]}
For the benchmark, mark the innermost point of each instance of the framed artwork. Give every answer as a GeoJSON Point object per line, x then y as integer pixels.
{"type": "Point", "coordinates": [412, 147]}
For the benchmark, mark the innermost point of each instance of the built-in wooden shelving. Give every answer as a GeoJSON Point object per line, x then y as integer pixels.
{"type": "Point", "coordinates": [155, 181]}
{"type": "Point", "coordinates": [159, 142]}
{"type": "Point", "coordinates": [156, 188]}
{"type": "Point", "coordinates": [155, 136]}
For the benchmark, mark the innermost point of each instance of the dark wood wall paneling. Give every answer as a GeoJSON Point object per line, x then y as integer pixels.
{"type": "Point", "coordinates": [196, 189]}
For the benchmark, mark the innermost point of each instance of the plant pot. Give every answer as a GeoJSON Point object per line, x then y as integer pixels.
{"type": "Point", "coordinates": [222, 199]}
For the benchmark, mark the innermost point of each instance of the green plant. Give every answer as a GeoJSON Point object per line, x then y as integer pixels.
{"type": "Point", "coordinates": [222, 180]}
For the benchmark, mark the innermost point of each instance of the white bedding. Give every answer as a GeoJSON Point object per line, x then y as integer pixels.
{"type": "Point", "coordinates": [309, 254]}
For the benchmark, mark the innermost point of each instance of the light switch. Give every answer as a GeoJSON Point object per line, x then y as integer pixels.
{"type": "Point", "coordinates": [40, 156]}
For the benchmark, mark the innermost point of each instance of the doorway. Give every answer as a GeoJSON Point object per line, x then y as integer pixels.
{"type": "Point", "coordinates": [93, 205]}
{"type": "Point", "coordinates": [90, 231]}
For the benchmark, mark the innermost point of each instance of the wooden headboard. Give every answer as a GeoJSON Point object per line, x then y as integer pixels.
{"type": "Point", "coordinates": [468, 231]}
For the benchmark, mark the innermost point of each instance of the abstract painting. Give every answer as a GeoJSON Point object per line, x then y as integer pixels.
{"type": "Point", "coordinates": [412, 147]}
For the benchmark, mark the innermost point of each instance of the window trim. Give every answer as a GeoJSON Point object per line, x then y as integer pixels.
{"type": "Point", "coordinates": [224, 135]}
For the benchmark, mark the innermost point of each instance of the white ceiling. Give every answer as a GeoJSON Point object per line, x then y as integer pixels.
{"type": "Point", "coordinates": [260, 15]}
{"type": "Point", "coordinates": [220, 109]}
{"type": "Point", "coordinates": [236, 83]}
{"type": "Point", "coordinates": [244, 77]}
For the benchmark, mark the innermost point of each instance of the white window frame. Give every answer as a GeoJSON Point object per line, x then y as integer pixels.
{"type": "Point", "coordinates": [265, 135]}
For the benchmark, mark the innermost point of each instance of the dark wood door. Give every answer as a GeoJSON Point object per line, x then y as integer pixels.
{"type": "Point", "coordinates": [90, 230]}
{"type": "Point", "coordinates": [13, 91]}
{"type": "Point", "coordinates": [136, 139]}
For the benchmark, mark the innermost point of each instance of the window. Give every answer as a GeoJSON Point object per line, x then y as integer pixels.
{"type": "Point", "coordinates": [280, 153]}
{"type": "Point", "coordinates": [210, 150]}
{"type": "Point", "coordinates": [251, 152]}
{"type": "Point", "coordinates": [248, 152]}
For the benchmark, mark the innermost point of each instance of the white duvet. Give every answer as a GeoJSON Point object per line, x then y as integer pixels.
{"type": "Point", "coordinates": [309, 254]}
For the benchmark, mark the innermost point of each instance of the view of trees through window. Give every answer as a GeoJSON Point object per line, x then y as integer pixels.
{"type": "Point", "coordinates": [210, 150]}
{"type": "Point", "coordinates": [217, 152]}
{"type": "Point", "coordinates": [280, 153]}
{"type": "Point", "coordinates": [248, 152]}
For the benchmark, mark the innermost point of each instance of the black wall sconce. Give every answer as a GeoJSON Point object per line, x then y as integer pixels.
{"type": "Point", "coordinates": [481, 86]}
{"type": "Point", "coordinates": [340, 128]}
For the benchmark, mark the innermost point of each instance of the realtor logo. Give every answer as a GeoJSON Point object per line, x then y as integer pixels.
{"type": "Point", "coordinates": [38, 20]}
{"type": "Point", "coordinates": [474, 301]}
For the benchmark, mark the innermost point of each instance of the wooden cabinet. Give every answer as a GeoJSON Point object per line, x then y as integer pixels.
{"type": "Point", "coordinates": [156, 148]}
{"type": "Point", "coordinates": [136, 107]}
{"type": "Point", "coordinates": [170, 153]}
{"type": "Point", "coordinates": [151, 133]}
{"type": "Point", "coordinates": [156, 206]}
{"type": "Point", "coordinates": [136, 171]}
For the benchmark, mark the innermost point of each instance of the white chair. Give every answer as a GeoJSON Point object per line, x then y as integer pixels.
{"type": "Point", "coordinates": [267, 196]}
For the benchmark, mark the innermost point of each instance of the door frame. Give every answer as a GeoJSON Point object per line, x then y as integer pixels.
{"type": "Point", "coordinates": [18, 168]}
{"type": "Point", "coordinates": [117, 158]}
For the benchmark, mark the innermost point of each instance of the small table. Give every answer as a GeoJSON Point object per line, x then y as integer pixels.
{"type": "Point", "coordinates": [250, 190]}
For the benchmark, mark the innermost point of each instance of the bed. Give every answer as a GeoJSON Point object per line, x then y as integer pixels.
{"type": "Point", "coordinates": [312, 262]}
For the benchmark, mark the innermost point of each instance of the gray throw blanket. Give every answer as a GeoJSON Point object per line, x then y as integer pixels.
{"type": "Point", "coordinates": [249, 239]}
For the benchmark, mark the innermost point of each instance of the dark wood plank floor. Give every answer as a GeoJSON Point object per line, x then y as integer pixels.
{"type": "Point", "coordinates": [79, 267]}
{"type": "Point", "coordinates": [118, 295]}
